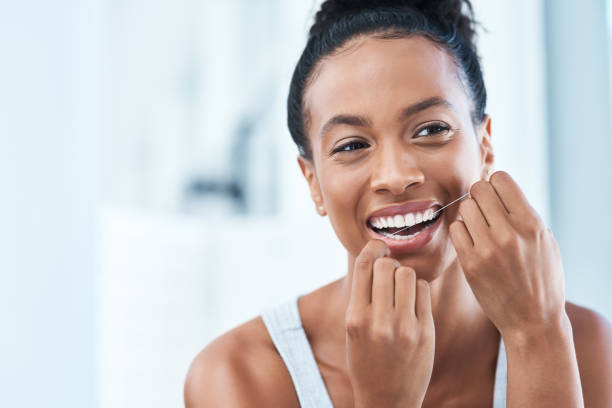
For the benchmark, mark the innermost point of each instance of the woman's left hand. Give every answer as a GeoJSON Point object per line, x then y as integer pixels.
{"type": "Point", "coordinates": [510, 258]}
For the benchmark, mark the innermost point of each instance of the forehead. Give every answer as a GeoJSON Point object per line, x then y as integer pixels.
{"type": "Point", "coordinates": [378, 77]}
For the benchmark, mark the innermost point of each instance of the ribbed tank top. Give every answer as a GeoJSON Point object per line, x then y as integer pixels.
{"type": "Point", "coordinates": [284, 324]}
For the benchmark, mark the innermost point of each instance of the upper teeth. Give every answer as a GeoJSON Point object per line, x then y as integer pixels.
{"type": "Point", "coordinates": [407, 220]}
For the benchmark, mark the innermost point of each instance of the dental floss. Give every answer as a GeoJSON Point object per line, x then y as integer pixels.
{"type": "Point", "coordinates": [436, 212]}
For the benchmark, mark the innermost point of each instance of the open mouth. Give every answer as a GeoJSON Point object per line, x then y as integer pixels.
{"type": "Point", "coordinates": [404, 227]}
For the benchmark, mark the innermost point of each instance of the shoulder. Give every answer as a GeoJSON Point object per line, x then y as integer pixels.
{"type": "Point", "coordinates": [592, 331]}
{"type": "Point", "coordinates": [240, 368]}
{"type": "Point", "coordinates": [593, 342]}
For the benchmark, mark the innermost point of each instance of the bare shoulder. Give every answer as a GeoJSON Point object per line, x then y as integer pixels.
{"type": "Point", "coordinates": [593, 343]}
{"type": "Point", "coordinates": [240, 368]}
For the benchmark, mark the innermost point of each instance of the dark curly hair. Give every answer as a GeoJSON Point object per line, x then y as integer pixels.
{"type": "Point", "coordinates": [448, 23]}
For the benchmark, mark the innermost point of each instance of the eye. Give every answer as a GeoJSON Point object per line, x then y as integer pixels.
{"type": "Point", "coordinates": [433, 129]}
{"type": "Point", "coordinates": [354, 145]}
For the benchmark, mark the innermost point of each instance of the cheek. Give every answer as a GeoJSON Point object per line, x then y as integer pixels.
{"type": "Point", "coordinates": [342, 193]}
{"type": "Point", "coordinates": [456, 166]}
{"type": "Point", "coordinates": [344, 185]}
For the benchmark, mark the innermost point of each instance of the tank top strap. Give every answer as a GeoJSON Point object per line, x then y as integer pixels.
{"type": "Point", "coordinates": [501, 377]}
{"type": "Point", "coordinates": [285, 328]}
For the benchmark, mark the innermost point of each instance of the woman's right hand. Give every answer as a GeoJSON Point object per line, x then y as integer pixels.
{"type": "Point", "coordinates": [390, 335]}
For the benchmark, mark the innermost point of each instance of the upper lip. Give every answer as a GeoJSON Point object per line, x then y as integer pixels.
{"type": "Point", "coordinates": [405, 208]}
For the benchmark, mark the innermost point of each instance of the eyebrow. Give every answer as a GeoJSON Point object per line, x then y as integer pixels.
{"type": "Point", "coordinates": [364, 121]}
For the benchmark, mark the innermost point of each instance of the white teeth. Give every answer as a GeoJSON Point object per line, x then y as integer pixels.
{"type": "Point", "coordinates": [409, 220]}
{"type": "Point", "coordinates": [399, 220]}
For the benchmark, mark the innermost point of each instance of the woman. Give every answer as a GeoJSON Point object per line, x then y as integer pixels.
{"type": "Point", "coordinates": [387, 107]}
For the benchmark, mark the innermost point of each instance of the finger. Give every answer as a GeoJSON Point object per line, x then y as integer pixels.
{"type": "Point", "coordinates": [383, 286]}
{"type": "Point", "coordinates": [423, 300]}
{"type": "Point", "coordinates": [490, 204]}
{"type": "Point", "coordinates": [361, 288]}
{"type": "Point", "coordinates": [510, 193]}
{"type": "Point", "coordinates": [463, 244]}
{"type": "Point", "coordinates": [474, 220]}
{"type": "Point", "coordinates": [461, 237]}
{"type": "Point", "coordinates": [405, 286]}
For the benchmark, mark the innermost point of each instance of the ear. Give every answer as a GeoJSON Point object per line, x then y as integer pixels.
{"type": "Point", "coordinates": [486, 148]}
{"type": "Point", "coordinates": [307, 168]}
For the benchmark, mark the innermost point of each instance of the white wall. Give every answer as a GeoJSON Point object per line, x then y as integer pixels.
{"type": "Point", "coordinates": [581, 147]}
{"type": "Point", "coordinates": [513, 61]}
{"type": "Point", "coordinates": [49, 176]}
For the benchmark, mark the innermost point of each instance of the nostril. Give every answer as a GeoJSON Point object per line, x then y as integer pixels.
{"type": "Point", "coordinates": [395, 173]}
{"type": "Point", "coordinates": [396, 186]}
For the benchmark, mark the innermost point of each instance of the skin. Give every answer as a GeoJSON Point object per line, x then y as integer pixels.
{"type": "Point", "coordinates": [401, 329]}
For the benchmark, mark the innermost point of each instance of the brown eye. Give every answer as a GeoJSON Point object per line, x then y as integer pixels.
{"type": "Point", "coordinates": [355, 145]}
{"type": "Point", "coordinates": [433, 129]}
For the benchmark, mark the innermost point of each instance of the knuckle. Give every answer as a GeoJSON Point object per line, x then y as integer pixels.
{"type": "Point", "coordinates": [353, 324]}
{"type": "Point", "coordinates": [408, 335]}
{"type": "Point", "coordinates": [382, 333]}
{"type": "Point", "coordinates": [486, 252]}
{"type": "Point", "coordinates": [509, 242]}
{"type": "Point", "coordinates": [535, 228]}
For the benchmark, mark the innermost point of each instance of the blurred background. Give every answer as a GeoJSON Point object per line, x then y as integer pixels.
{"type": "Point", "coordinates": [151, 198]}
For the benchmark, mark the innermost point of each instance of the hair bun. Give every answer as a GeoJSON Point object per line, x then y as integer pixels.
{"type": "Point", "coordinates": [456, 12]}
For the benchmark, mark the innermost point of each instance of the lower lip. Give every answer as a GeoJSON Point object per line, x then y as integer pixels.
{"type": "Point", "coordinates": [411, 244]}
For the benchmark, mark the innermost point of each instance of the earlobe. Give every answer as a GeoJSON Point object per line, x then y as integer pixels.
{"type": "Point", "coordinates": [313, 183]}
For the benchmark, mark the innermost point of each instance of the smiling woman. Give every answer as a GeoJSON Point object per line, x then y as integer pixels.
{"type": "Point", "coordinates": [463, 306]}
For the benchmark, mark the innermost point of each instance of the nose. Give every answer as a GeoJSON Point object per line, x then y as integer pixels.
{"type": "Point", "coordinates": [395, 170]}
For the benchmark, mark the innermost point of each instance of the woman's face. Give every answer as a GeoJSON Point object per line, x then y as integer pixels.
{"type": "Point", "coordinates": [389, 124]}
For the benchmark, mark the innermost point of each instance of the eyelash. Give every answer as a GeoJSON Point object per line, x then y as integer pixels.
{"type": "Point", "coordinates": [437, 125]}
{"type": "Point", "coordinates": [440, 127]}
{"type": "Point", "coordinates": [343, 147]}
